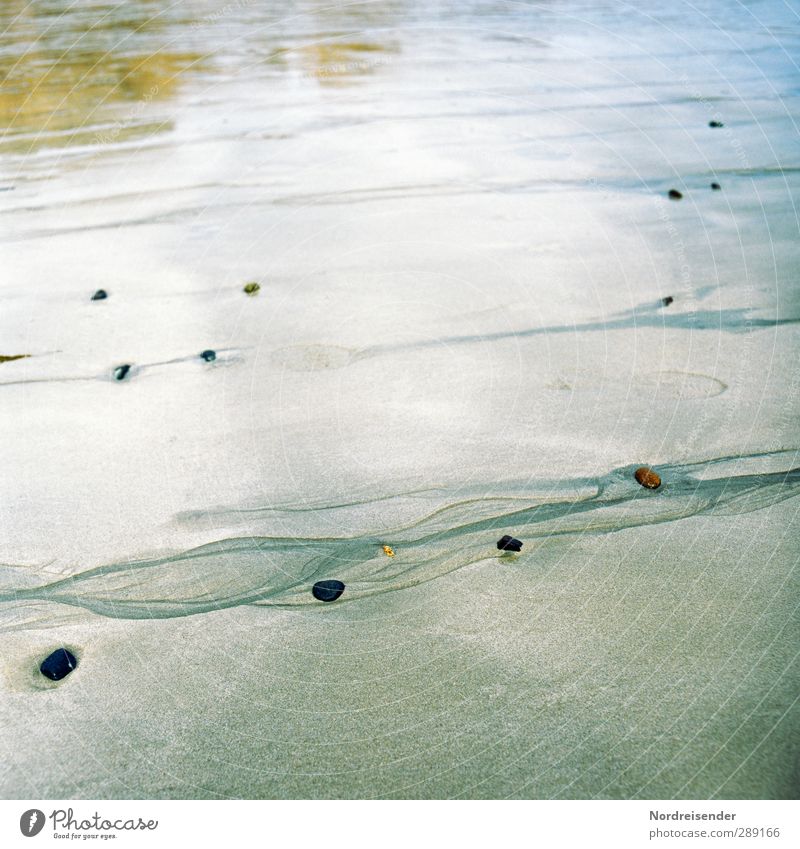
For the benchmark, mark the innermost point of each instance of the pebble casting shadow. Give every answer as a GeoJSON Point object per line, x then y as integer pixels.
{"type": "Point", "coordinates": [327, 590]}
{"type": "Point", "coordinates": [58, 665]}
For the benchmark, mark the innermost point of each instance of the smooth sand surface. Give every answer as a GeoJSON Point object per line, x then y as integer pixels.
{"type": "Point", "coordinates": [458, 217]}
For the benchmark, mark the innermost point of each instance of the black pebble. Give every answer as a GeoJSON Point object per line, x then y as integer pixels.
{"type": "Point", "coordinates": [715, 124]}
{"type": "Point", "coordinates": [327, 590]}
{"type": "Point", "coordinates": [58, 665]}
{"type": "Point", "coordinates": [674, 194]}
{"type": "Point", "coordinates": [121, 372]}
{"type": "Point", "coordinates": [100, 295]}
{"type": "Point", "coordinates": [209, 356]}
{"type": "Point", "coordinates": [508, 543]}
{"type": "Point", "coordinates": [667, 300]}
{"type": "Point", "coordinates": [716, 187]}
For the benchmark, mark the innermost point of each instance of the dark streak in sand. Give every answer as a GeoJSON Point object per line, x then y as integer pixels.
{"type": "Point", "coordinates": [279, 571]}
{"type": "Point", "coordinates": [126, 370]}
{"type": "Point", "coordinates": [322, 357]}
{"type": "Point", "coordinates": [731, 320]}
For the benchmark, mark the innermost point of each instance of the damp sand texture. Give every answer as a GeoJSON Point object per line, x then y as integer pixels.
{"type": "Point", "coordinates": [478, 312]}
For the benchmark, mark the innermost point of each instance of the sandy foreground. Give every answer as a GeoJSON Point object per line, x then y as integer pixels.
{"type": "Point", "coordinates": [459, 222]}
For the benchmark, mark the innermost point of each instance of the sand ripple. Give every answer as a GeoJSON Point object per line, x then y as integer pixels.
{"type": "Point", "coordinates": [279, 571]}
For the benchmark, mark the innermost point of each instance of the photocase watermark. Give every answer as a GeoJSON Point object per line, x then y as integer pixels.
{"type": "Point", "coordinates": [66, 826]}
{"type": "Point", "coordinates": [111, 135]}
{"type": "Point", "coordinates": [717, 117]}
{"type": "Point", "coordinates": [338, 69]}
{"type": "Point", "coordinates": [678, 247]}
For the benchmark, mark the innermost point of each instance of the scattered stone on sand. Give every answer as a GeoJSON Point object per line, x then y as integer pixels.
{"type": "Point", "coordinates": [58, 665]}
{"type": "Point", "coordinates": [388, 550]}
{"type": "Point", "coordinates": [674, 194]}
{"type": "Point", "coordinates": [716, 187]}
{"type": "Point", "coordinates": [208, 355]}
{"type": "Point", "coordinates": [647, 477]}
{"type": "Point", "coordinates": [667, 300]}
{"type": "Point", "coordinates": [327, 590]}
{"type": "Point", "coordinates": [121, 372]}
{"type": "Point", "coordinates": [9, 358]}
{"type": "Point", "coordinates": [100, 295]}
{"type": "Point", "coordinates": [715, 124]}
{"type": "Point", "coordinates": [508, 543]}
{"type": "Point", "coordinates": [252, 288]}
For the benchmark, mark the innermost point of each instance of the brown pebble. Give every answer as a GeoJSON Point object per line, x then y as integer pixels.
{"type": "Point", "coordinates": [251, 288]}
{"type": "Point", "coordinates": [674, 194]}
{"type": "Point", "coordinates": [647, 477]}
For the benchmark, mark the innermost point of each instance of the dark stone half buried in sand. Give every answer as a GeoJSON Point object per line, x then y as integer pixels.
{"type": "Point", "coordinates": [58, 665]}
{"type": "Point", "coordinates": [667, 300]}
{"type": "Point", "coordinates": [327, 590]}
{"type": "Point", "coordinates": [100, 295]}
{"type": "Point", "coordinates": [715, 124]}
{"type": "Point", "coordinates": [121, 372]}
{"type": "Point", "coordinates": [716, 187]}
{"type": "Point", "coordinates": [209, 356]}
{"type": "Point", "coordinates": [674, 194]}
{"type": "Point", "coordinates": [647, 477]}
{"type": "Point", "coordinates": [508, 543]}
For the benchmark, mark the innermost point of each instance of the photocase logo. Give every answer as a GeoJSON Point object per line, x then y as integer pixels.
{"type": "Point", "coordinates": [64, 821]}
{"type": "Point", "coordinates": [31, 822]}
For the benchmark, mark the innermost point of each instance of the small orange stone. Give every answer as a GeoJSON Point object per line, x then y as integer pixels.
{"type": "Point", "coordinates": [647, 477]}
{"type": "Point", "coordinates": [388, 551]}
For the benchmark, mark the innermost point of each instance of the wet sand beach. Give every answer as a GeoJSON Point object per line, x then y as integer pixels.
{"type": "Point", "coordinates": [300, 293]}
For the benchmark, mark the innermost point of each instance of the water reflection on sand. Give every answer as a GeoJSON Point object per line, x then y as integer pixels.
{"type": "Point", "coordinates": [89, 73]}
